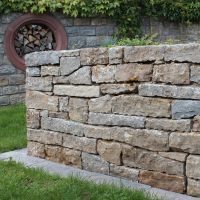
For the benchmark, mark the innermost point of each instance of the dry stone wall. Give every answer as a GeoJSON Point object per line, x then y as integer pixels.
{"type": "Point", "coordinates": [131, 112]}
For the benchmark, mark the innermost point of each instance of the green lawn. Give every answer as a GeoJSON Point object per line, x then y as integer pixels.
{"type": "Point", "coordinates": [12, 127]}
{"type": "Point", "coordinates": [20, 183]}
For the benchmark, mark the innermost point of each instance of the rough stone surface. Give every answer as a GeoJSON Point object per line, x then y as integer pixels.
{"type": "Point", "coordinates": [33, 71]}
{"type": "Point", "coordinates": [116, 120]}
{"type": "Point", "coordinates": [195, 73]}
{"type": "Point", "coordinates": [53, 153]}
{"type": "Point", "coordinates": [174, 156]}
{"type": "Point", "coordinates": [115, 55]}
{"type": "Point", "coordinates": [63, 104]}
{"type": "Point", "coordinates": [172, 73]}
{"type": "Point", "coordinates": [77, 91]}
{"type": "Point", "coordinates": [36, 149]}
{"type": "Point", "coordinates": [163, 181]}
{"type": "Point", "coordinates": [33, 118]}
{"type": "Point", "coordinates": [196, 124]}
{"type": "Point", "coordinates": [193, 188]}
{"type": "Point", "coordinates": [50, 71]}
{"type": "Point", "coordinates": [193, 167]}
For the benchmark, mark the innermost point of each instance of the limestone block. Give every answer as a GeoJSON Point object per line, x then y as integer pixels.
{"type": "Point", "coordinates": [116, 120]}
{"type": "Point", "coordinates": [195, 73]}
{"type": "Point", "coordinates": [33, 71]}
{"type": "Point", "coordinates": [186, 142]}
{"type": "Point", "coordinates": [196, 124]}
{"type": "Point", "coordinates": [172, 73]}
{"type": "Point", "coordinates": [193, 167]}
{"type": "Point", "coordinates": [77, 91]}
{"type": "Point", "coordinates": [53, 153]}
{"type": "Point", "coordinates": [94, 163]}
{"type": "Point", "coordinates": [193, 187]}
{"type": "Point", "coordinates": [163, 181]}
{"type": "Point", "coordinates": [174, 156]}
{"type": "Point", "coordinates": [63, 104]}
{"type": "Point", "coordinates": [36, 149]}
{"type": "Point", "coordinates": [50, 71]}
{"type": "Point", "coordinates": [17, 98]}
{"type": "Point", "coordinates": [110, 151]}
{"type": "Point", "coordinates": [33, 118]}
{"type": "Point", "coordinates": [115, 55]}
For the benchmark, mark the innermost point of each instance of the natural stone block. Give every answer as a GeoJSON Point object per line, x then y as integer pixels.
{"type": "Point", "coordinates": [63, 104]}
{"type": "Point", "coordinates": [50, 71]}
{"type": "Point", "coordinates": [186, 142]}
{"type": "Point", "coordinates": [7, 70]}
{"type": "Point", "coordinates": [172, 73]}
{"type": "Point", "coordinates": [174, 156]}
{"type": "Point", "coordinates": [45, 137]}
{"type": "Point", "coordinates": [110, 151]}
{"type": "Point", "coordinates": [33, 71]}
{"type": "Point", "coordinates": [77, 91]}
{"type": "Point", "coordinates": [36, 149]}
{"type": "Point", "coordinates": [196, 124]}
{"type": "Point", "coordinates": [81, 76]}
{"type": "Point", "coordinates": [53, 153]}
{"type": "Point", "coordinates": [139, 158]}
{"type": "Point", "coordinates": [144, 53]}
{"type": "Point", "coordinates": [168, 124]}
{"type": "Point", "coordinates": [144, 106]}
{"type": "Point", "coordinates": [33, 118]}
{"type": "Point", "coordinates": [177, 92]}
{"type": "Point", "coordinates": [70, 53]}
{"type": "Point", "coordinates": [115, 55]}
{"type": "Point", "coordinates": [39, 83]}
{"type": "Point", "coordinates": [61, 79]}
{"type": "Point", "coordinates": [94, 163]}
{"type": "Point", "coordinates": [193, 187]}
{"type": "Point", "coordinates": [39, 100]}
{"type": "Point", "coordinates": [71, 157]}
{"type": "Point", "coordinates": [118, 88]}
{"type": "Point", "coordinates": [17, 98]}
{"type": "Point", "coordinates": [193, 167]}
{"type": "Point", "coordinates": [78, 109]}
{"type": "Point", "coordinates": [124, 172]}
{"type": "Point", "coordinates": [149, 139]}
{"type": "Point", "coordinates": [69, 65]}
{"type": "Point", "coordinates": [116, 120]}
{"type": "Point", "coordinates": [42, 58]}
{"type": "Point", "coordinates": [4, 100]}
{"type": "Point", "coordinates": [103, 73]}
{"type": "Point", "coordinates": [195, 73]}
{"type": "Point", "coordinates": [185, 109]}
{"type": "Point", "coordinates": [60, 115]}
{"type": "Point", "coordinates": [17, 79]}
{"type": "Point", "coordinates": [133, 72]}
{"type": "Point", "coordinates": [163, 181]}
{"type": "Point", "coordinates": [79, 143]}
{"type": "Point", "coordinates": [10, 89]}
{"type": "Point", "coordinates": [4, 80]}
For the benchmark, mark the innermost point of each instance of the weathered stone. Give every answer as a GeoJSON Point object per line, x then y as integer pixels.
{"type": "Point", "coordinates": [39, 83]}
{"type": "Point", "coordinates": [118, 88]}
{"type": "Point", "coordinates": [79, 143]}
{"type": "Point", "coordinates": [71, 157]}
{"type": "Point", "coordinates": [94, 163]}
{"type": "Point", "coordinates": [168, 124]}
{"type": "Point", "coordinates": [42, 58]}
{"type": "Point", "coordinates": [77, 91]}
{"type": "Point", "coordinates": [105, 30]}
{"type": "Point", "coordinates": [135, 157]}
{"type": "Point", "coordinates": [53, 153]}
{"type": "Point", "coordinates": [87, 30]}
{"type": "Point", "coordinates": [124, 172]}
{"type": "Point", "coordinates": [36, 149]}
{"type": "Point", "coordinates": [7, 70]}
{"type": "Point", "coordinates": [69, 53]}
{"type": "Point", "coordinates": [4, 80]}
{"type": "Point", "coordinates": [45, 137]}
{"type": "Point", "coordinates": [103, 73]}
{"type": "Point", "coordinates": [193, 187]}
{"type": "Point", "coordinates": [63, 104]}
{"type": "Point", "coordinates": [177, 92]}
{"type": "Point", "coordinates": [196, 124]}
{"type": "Point", "coordinates": [4, 100]}
{"type": "Point", "coordinates": [133, 72]}
{"type": "Point", "coordinates": [116, 120]}
{"type": "Point", "coordinates": [137, 105]}
{"type": "Point", "coordinates": [17, 98]}
{"type": "Point", "coordinates": [61, 79]}
{"type": "Point", "coordinates": [195, 73]}
{"type": "Point", "coordinates": [33, 118]}
{"type": "Point", "coordinates": [82, 21]}
{"type": "Point", "coordinates": [102, 104]}
{"type": "Point", "coordinates": [39, 100]}
{"type": "Point", "coordinates": [81, 76]}
{"type": "Point", "coordinates": [186, 142]}
{"type": "Point", "coordinates": [78, 109]}
{"type": "Point", "coordinates": [185, 109]}
{"type": "Point", "coordinates": [21, 89]}
{"type": "Point", "coordinates": [60, 115]}
{"type": "Point", "coordinates": [144, 53]}
{"type": "Point", "coordinates": [69, 65]}
{"type": "Point", "coordinates": [182, 53]}
{"type": "Point", "coordinates": [115, 55]}
{"type": "Point", "coordinates": [17, 79]}
{"type": "Point", "coordinates": [50, 71]}
{"type": "Point", "coordinates": [149, 139]}
{"type": "Point", "coordinates": [10, 89]}
{"type": "Point", "coordinates": [163, 181]}
{"type": "Point", "coordinates": [193, 167]}
{"type": "Point", "coordinates": [172, 73]}
{"type": "Point", "coordinates": [174, 155]}
{"type": "Point", "coordinates": [33, 71]}
{"type": "Point", "coordinates": [110, 151]}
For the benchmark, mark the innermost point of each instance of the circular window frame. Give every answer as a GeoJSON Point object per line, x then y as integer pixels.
{"type": "Point", "coordinates": [47, 20]}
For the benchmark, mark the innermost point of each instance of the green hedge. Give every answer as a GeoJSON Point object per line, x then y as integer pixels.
{"type": "Point", "coordinates": [127, 13]}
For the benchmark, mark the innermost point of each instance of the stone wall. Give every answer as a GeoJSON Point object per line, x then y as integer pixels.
{"type": "Point", "coordinates": [81, 32]}
{"type": "Point", "coordinates": [131, 112]}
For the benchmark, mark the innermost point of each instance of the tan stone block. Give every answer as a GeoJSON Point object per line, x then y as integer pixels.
{"type": "Point", "coordinates": [36, 149]}
{"type": "Point", "coordinates": [163, 181]}
{"type": "Point", "coordinates": [196, 124]}
{"type": "Point", "coordinates": [50, 70]}
{"type": "Point", "coordinates": [33, 118]}
{"type": "Point", "coordinates": [60, 115]}
{"type": "Point", "coordinates": [193, 187]}
{"type": "Point", "coordinates": [53, 153]}
{"type": "Point", "coordinates": [193, 167]}
{"type": "Point", "coordinates": [110, 151]}
{"type": "Point", "coordinates": [174, 156]}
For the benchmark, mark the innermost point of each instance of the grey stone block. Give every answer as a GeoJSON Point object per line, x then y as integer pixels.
{"type": "Point", "coordinates": [76, 42]}
{"type": "Point", "coordinates": [17, 98]}
{"type": "Point", "coordinates": [104, 30]}
{"type": "Point", "coordinates": [10, 90]}
{"type": "Point", "coordinates": [87, 31]}
{"type": "Point", "coordinates": [33, 71]}
{"type": "Point", "coordinates": [4, 100]}
{"type": "Point", "coordinates": [7, 69]}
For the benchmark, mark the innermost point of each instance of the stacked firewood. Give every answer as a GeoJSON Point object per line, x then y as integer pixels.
{"type": "Point", "coordinates": [34, 37]}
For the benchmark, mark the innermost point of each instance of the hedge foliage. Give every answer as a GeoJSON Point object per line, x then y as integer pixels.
{"type": "Point", "coordinates": [127, 13]}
